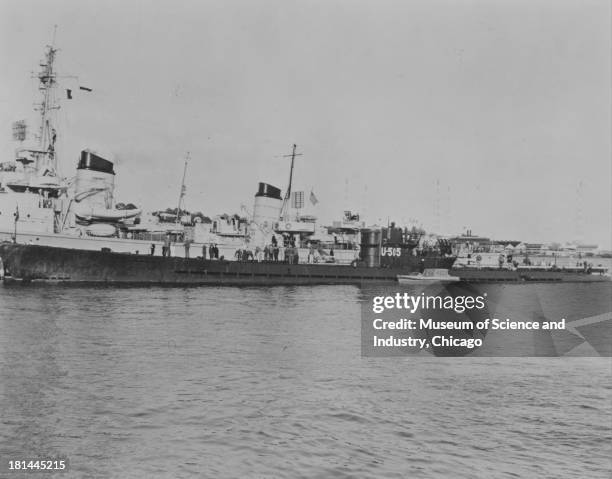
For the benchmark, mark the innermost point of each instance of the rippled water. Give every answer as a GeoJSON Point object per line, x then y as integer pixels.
{"type": "Point", "coordinates": [269, 382]}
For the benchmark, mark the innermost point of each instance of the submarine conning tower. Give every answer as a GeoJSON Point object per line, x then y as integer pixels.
{"type": "Point", "coordinates": [389, 247]}
{"type": "Point", "coordinates": [267, 206]}
{"type": "Point", "coordinates": [370, 247]}
{"type": "Point", "coordinates": [95, 180]}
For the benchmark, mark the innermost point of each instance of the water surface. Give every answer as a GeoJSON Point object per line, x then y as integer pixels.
{"type": "Point", "coordinates": [270, 382]}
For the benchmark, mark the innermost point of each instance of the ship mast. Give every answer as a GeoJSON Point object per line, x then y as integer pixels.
{"type": "Point", "coordinates": [285, 206]}
{"type": "Point", "coordinates": [182, 194]}
{"type": "Point", "coordinates": [47, 134]}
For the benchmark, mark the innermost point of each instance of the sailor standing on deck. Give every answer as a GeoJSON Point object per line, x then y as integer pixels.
{"type": "Point", "coordinates": [167, 244]}
{"type": "Point", "coordinates": [310, 254]}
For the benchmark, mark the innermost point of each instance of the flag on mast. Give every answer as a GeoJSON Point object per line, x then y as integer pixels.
{"type": "Point", "coordinates": [69, 91]}
{"type": "Point", "coordinates": [16, 213]}
{"type": "Point", "coordinates": [313, 198]}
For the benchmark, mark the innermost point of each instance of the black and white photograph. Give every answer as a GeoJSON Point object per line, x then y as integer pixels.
{"type": "Point", "coordinates": [306, 239]}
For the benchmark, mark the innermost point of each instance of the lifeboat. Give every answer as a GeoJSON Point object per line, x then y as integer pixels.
{"type": "Point", "coordinates": [86, 212]}
{"type": "Point", "coordinates": [101, 229]}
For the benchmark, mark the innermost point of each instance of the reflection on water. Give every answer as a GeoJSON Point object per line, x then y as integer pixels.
{"type": "Point", "coordinates": [270, 382]}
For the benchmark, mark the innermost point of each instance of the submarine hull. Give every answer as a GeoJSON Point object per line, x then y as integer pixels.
{"type": "Point", "coordinates": [45, 263]}
{"type": "Point", "coordinates": [492, 275]}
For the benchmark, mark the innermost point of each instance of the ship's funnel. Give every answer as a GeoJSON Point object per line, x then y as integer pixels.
{"type": "Point", "coordinates": [268, 203]}
{"type": "Point", "coordinates": [95, 181]}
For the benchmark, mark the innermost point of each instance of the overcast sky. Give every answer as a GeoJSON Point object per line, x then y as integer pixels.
{"type": "Point", "coordinates": [506, 104]}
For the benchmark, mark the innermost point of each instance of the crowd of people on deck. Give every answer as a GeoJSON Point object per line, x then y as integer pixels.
{"type": "Point", "coordinates": [284, 250]}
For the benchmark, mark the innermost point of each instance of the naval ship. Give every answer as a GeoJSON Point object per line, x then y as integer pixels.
{"type": "Point", "coordinates": [38, 206]}
{"type": "Point", "coordinates": [72, 230]}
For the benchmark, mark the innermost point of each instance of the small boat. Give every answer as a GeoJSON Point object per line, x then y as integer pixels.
{"type": "Point", "coordinates": [101, 229]}
{"type": "Point", "coordinates": [433, 275]}
{"type": "Point", "coordinates": [91, 213]}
